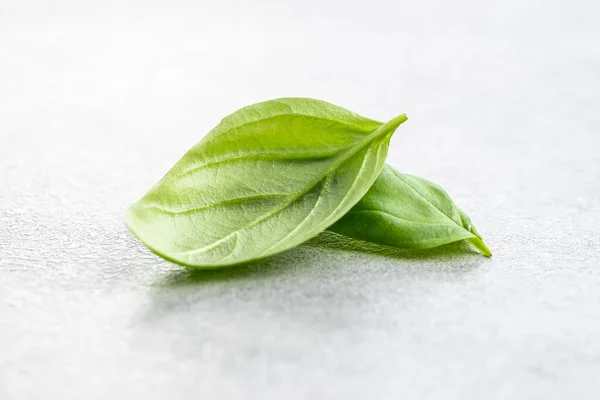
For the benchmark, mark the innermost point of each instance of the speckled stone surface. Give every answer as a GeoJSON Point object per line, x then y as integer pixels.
{"type": "Point", "coordinates": [97, 102]}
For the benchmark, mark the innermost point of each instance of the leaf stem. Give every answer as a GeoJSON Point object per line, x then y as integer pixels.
{"type": "Point", "coordinates": [394, 123]}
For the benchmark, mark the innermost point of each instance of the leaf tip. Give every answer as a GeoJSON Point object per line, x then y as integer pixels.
{"type": "Point", "coordinates": [478, 243]}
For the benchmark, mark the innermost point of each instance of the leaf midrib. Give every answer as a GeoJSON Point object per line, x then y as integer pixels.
{"type": "Point", "coordinates": [399, 218]}
{"type": "Point", "coordinates": [355, 127]}
{"type": "Point", "coordinates": [313, 208]}
{"type": "Point", "coordinates": [343, 157]}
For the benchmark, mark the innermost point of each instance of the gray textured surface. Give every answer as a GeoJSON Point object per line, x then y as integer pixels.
{"type": "Point", "coordinates": [97, 102]}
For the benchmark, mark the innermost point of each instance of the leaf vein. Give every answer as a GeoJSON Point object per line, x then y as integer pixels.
{"type": "Point", "coordinates": [344, 156]}
{"type": "Point", "coordinates": [193, 210]}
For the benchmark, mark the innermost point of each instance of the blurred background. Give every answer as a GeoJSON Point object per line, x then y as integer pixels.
{"type": "Point", "coordinates": [99, 99]}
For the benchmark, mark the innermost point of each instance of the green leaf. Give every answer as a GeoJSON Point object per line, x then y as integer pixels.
{"type": "Point", "coordinates": [408, 212]}
{"type": "Point", "coordinates": [269, 177]}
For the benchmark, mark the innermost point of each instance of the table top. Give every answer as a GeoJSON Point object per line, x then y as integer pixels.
{"type": "Point", "coordinates": [98, 101]}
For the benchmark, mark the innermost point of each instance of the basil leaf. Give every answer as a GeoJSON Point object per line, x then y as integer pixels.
{"type": "Point", "coordinates": [408, 212]}
{"type": "Point", "coordinates": [269, 177]}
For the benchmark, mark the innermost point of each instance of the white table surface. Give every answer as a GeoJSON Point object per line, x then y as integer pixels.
{"type": "Point", "coordinates": [98, 100]}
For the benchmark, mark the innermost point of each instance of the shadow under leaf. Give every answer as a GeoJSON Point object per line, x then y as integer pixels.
{"type": "Point", "coordinates": [318, 249]}
{"type": "Point", "coordinates": [260, 268]}
{"type": "Point", "coordinates": [333, 240]}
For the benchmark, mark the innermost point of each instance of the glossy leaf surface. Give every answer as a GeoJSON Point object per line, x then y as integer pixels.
{"type": "Point", "coordinates": [408, 212]}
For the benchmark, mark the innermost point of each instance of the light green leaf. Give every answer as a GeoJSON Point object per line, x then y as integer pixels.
{"type": "Point", "coordinates": [408, 212]}
{"type": "Point", "coordinates": [269, 177]}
